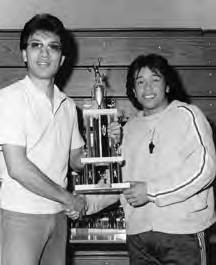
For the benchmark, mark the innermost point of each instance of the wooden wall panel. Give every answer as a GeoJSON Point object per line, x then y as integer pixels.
{"type": "Point", "coordinates": [10, 75]}
{"type": "Point", "coordinates": [208, 106]}
{"type": "Point", "coordinates": [119, 50]}
{"type": "Point", "coordinates": [179, 51]}
{"type": "Point", "coordinates": [199, 81]}
{"type": "Point", "coordinates": [9, 50]}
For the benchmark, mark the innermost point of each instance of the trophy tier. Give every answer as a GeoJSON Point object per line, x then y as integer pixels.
{"type": "Point", "coordinates": [102, 188]}
{"type": "Point", "coordinates": [102, 160]}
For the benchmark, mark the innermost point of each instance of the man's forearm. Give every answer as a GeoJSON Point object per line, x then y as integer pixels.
{"type": "Point", "coordinates": [33, 179]}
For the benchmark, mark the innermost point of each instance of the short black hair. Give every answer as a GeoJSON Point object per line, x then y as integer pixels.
{"type": "Point", "coordinates": [44, 22]}
{"type": "Point", "coordinates": [155, 63]}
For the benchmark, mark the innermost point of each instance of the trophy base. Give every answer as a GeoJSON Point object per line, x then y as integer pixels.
{"type": "Point", "coordinates": [97, 235]}
{"type": "Point", "coordinates": [98, 188]}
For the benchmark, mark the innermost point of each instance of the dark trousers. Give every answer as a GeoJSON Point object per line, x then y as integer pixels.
{"type": "Point", "coordinates": [156, 248]}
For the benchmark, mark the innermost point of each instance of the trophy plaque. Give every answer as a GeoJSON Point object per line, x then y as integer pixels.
{"type": "Point", "coordinates": [102, 164]}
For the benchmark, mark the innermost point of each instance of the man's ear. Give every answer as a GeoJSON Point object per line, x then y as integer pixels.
{"type": "Point", "coordinates": [62, 60]}
{"type": "Point", "coordinates": [24, 56]}
{"type": "Point", "coordinates": [134, 91]}
{"type": "Point", "coordinates": [167, 90]}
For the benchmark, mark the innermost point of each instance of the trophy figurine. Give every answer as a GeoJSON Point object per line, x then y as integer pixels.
{"type": "Point", "coordinates": [102, 164]}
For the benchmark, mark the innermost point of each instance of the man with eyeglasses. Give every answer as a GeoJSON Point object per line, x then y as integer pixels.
{"type": "Point", "coordinates": [38, 136]}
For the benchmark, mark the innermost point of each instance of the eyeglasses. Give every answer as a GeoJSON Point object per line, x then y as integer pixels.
{"type": "Point", "coordinates": [50, 47]}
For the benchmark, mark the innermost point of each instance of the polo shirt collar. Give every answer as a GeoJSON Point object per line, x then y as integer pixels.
{"type": "Point", "coordinates": [37, 94]}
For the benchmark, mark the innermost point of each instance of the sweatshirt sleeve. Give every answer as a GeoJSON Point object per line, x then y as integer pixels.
{"type": "Point", "coordinates": [197, 167]}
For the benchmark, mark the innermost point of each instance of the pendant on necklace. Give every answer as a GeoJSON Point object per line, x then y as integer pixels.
{"type": "Point", "coordinates": [151, 147]}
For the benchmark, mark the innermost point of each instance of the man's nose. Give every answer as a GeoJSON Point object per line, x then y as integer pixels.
{"type": "Point", "coordinates": [44, 50]}
{"type": "Point", "coordinates": [148, 86]}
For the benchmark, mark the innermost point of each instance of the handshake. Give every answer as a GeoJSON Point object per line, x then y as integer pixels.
{"type": "Point", "coordinates": [77, 206]}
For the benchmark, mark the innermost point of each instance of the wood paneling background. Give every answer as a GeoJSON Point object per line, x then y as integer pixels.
{"type": "Point", "coordinates": [191, 52]}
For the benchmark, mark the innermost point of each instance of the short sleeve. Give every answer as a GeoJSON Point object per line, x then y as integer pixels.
{"type": "Point", "coordinates": [12, 118]}
{"type": "Point", "coordinates": [76, 138]}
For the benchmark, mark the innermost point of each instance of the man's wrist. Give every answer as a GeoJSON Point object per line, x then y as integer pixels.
{"type": "Point", "coordinates": [68, 198]}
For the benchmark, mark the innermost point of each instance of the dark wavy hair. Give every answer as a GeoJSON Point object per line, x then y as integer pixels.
{"type": "Point", "coordinates": [44, 22]}
{"type": "Point", "coordinates": [155, 63]}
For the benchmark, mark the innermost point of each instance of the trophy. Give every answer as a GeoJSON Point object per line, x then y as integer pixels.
{"type": "Point", "coordinates": [102, 164]}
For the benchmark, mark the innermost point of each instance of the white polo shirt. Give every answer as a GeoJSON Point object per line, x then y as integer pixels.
{"type": "Point", "coordinates": [27, 119]}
